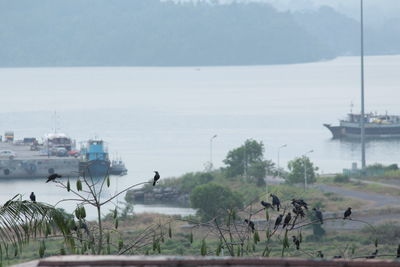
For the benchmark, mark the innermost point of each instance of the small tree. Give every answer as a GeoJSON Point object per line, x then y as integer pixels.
{"type": "Point", "coordinates": [297, 167]}
{"type": "Point", "coordinates": [247, 160]}
{"type": "Point", "coordinates": [214, 200]}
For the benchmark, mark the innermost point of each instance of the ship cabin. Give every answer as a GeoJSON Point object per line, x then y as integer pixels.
{"type": "Point", "coordinates": [373, 118]}
{"type": "Point", "coordinates": [95, 150]}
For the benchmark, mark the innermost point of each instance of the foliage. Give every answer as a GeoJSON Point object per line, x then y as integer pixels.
{"type": "Point", "coordinates": [213, 200]}
{"type": "Point", "coordinates": [247, 160]}
{"type": "Point", "coordinates": [341, 178]}
{"type": "Point", "coordinates": [296, 171]}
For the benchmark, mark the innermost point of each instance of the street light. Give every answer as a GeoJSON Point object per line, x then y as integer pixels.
{"type": "Point", "coordinates": [279, 149]}
{"type": "Point", "coordinates": [211, 160]}
{"type": "Point", "coordinates": [305, 168]}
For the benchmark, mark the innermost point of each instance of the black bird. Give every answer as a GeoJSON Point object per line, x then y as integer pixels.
{"type": "Point", "coordinates": [278, 221]}
{"type": "Point", "coordinates": [298, 211]}
{"type": "Point", "coordinates": [33, 197]}
{"type": "Point", "coordinates": [267, 205]}
{"type": "Point", "coordinates": [318, 214]}
{"type": "Point", "coordinates": [296, 241]}
{"type": "Point", "coordinates": [398, 251]}
{"type": "Point", "coordinates": [52, 177]}
{"type": "Point", "coordinates": [251, 224]}
{"type": "Point", "coordinates": [373, 254]}
{"type": "Point", "coordinates": [300, 202]}
{"type": "Point", "coordinates": [287, 220]}
{"type": "Point", "coordinates": [320, 254]}
{"type": "Point", "coordinates": [156, 177]}
{"type": "Point", "coordinates": [275, 201]}
{"type": "Point", "coordinates": [347, 213]}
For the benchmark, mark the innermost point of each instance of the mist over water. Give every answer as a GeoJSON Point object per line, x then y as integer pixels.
{"type": "Point", "coordinates": [163, 118]}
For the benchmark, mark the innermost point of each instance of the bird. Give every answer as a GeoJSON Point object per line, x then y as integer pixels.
{"type": "Point", "coordinates": [278, 221]}
{"type": "Point", "coordinates": [156, 177]}
{"type": "Point", "coordinates": [298, 211]}
{"type": "Point", "coordinates": [320, 254]}
{"type": "Point", "coordinates": [267, 205]}
{"type": "Point", "coordinates": [347, 213]}
{"type": "Point", "coordinates": [300, 202]}
{"type": "Point", "coordinates": [296, 241]}
{"type": "Point", "coordinates": [373, 255]}
{"type": "Point", "coordinates": [319, 216]}
{"type": "Point", "coordinates": [52, 177]}
{"type": "Point", "coordinates": [287, 220]}
{"type": "Point", "coordinates": [33, 197]}
{"type": "Point", "coordinates": [251, 224]}
{"type": "Point", "coordinates": [275, 201]}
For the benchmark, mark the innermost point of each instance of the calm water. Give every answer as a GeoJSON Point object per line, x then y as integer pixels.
{"type": "Point", "coordinates": [162, 118]}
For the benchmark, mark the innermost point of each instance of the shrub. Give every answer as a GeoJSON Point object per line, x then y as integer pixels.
{"type": "Point", "coordinates": [341, 178]}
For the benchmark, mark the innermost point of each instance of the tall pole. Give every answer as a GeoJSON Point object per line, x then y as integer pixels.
{"type": "Point", "coordinates": [305, 169]}
{"type": "Point", "coordinates": [279, 149]}
{"type": "Point", "coordinates": [362, 91]}
{"type": "Point", "coordinates": [211, 159]}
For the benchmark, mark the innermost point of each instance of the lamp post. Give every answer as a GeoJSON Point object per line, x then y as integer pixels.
{"type": "Point", "coordinates": [305, 168]}
{"type": "Point", "coordinates": [279, 149]}
{"type": "Point", "coordinates": [362, 122]}
{"type": "Point", "coordinates": [211, 160]}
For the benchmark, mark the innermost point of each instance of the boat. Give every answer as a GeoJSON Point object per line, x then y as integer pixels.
{"type": "Point", "coordinates": [95, 161]}
{"type": "Point", "coordinates": [376, 126]}
{"type": "Point", "coordinates": [118, 168]}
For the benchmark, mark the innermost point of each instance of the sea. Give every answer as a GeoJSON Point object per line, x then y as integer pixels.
{"type": "Point", "coordinates": [164, 118]}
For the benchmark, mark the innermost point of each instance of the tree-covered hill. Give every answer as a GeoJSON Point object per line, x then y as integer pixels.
{"type": "Point", "coordinates": [154, 33]}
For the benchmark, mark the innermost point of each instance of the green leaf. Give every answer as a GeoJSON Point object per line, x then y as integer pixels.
{"type": "Point", "coordinates": [62, 251]}
{"type": "Point", "coordinates": [120, 244]}
{"type": "Point", "coordinates": [79, 185]}
{"type": "Point", "coordinates": [203, 249]}
{"type": "Point", "coordinates": [191, 238]}
{"type": "Point", "coordinates": [256, 237]}
{"type": "Point", "coordinates": [238, 251]}
{"type": "Point", "coordinates": [115, 214]}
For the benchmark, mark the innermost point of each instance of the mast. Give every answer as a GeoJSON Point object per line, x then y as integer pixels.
{"type": "Point", "coordinates": [363, 165]}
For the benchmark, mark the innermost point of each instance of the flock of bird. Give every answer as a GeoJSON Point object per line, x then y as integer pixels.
{"type": "Point", "coordinates": [299, 208]}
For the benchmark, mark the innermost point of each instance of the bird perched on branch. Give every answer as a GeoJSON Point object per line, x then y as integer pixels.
{"type": "Point", "coordinates": [33, 197]}
{"type": "Point", "coordinates": [296, 241]}
{"type": "Point", "coordinates": [267, 205]}
{"type": "Point", "coordinates": [156, 177]}
{"type": "Point", "coordinates": [287, 220]}
{"type": "Point", "coordinates": [347, 213]}
{"type": "Point", "coordinates": [278, 221]}
{"type": "Point", "coordinates": [300, 202]}
{"type": "Point", "coordinates": [275, 201]}
{"type": "Point", "coordinates": [318, 215]}
{"type": "Point", "coordinates": [298, 211]}
{"type": "Point", "coordinates": [250, 224]}
{"type": "Point", "coordinates": [52, 177]}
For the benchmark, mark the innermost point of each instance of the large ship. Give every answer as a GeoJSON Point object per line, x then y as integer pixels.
{"type": "Point", "coordinates": [95, 161]}
{"type": "Point", "coordinates": [376, 126]}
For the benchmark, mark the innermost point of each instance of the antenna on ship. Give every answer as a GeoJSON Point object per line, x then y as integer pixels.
{"type": "Point", "coordinates": [362, 125]}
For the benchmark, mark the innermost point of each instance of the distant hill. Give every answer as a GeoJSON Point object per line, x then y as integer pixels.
{"type": "Point", "coordinates": [154, 33]}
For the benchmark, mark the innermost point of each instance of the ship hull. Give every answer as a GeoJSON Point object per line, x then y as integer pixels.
{"type": "Point", "coordinates": [95, 168]}
{"type": "Point", "coordinates": [351, 130]}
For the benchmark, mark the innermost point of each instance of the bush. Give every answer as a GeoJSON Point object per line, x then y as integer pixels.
{"type": "Point", "coordinates": [214, 200]}
{"type": "Point", "coordinates": [341, 178]}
